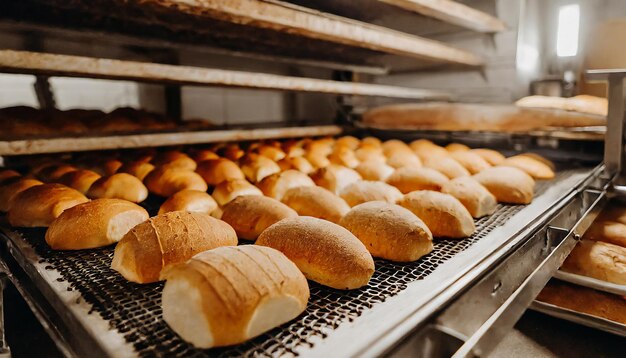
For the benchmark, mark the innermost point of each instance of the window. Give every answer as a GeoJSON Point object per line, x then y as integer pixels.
{"type": "Point", "coordinates": [567, 32]}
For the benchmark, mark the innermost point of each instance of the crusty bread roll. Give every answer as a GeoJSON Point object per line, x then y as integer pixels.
{"type": "Point", "coordinates": [293, 148]}
{"type": "Point", "coordinates": [138, 169]}
{"type": "Point", "coordinates": [166, 181]}
{"type": "Point", "coordinates": [231, 152]}
{"type": "Point", "coordinates": [540, 158]}
{"type": "Point", "coordinates": [204, 154]}
{"type": "Point", "coordinates": [363, 191]}
{"type": "Point", "coordinates": [509, 185]}
{"type": "Point", "coordinates": [370, 154]}
{"type": "Point", "coordinates": [80, 180]}
{"type": "Point", "coordinates": [427, 149]}
{"type": "Point", "coordinates": [118, 186]}
{"type": "Point", "coordinates": [475, 197]}
{"type": "Point", "coordinates": [297, 163]}
{"type": "Point", "coordinates": [325, 252]}
{"type": "Point", "coordinates": [317, 202]}
{"type": "Point", "coordinates": [371, 141]}
{"type": "Point", "coordinates": [335, 177]}
{"type": "Point", "coordinates": [348, 141]}
{"type": "Point", "coordinates": [215, 171]}
{"type": "Point", "coordinates": [317, 158]}
{"type": "Point", "coordinates": [446, 166]}
{"type": "Point", "coordinates": [343, 156]}
{"type": "Point", "coordinates": [457, 147]}
{"type": "Point", "coordinates": [612, 232]}
{"type": "Point", "coordinates": [256, 167]}
{"type": "Point", "coordinates": [39, 205]}
{"type": "Point", "coordinates": [389, 231]}
{"type": "Point", "coordinates": [473, 162]}
{"type": "Point", "coordinates": [8, 174]}
{"type": "Point", "coordinates": [533, 167]}
{"type": "Point", "coordinates": [97, 223]}
{"type": "Point", "coordinates": [271, 152]}
{"type": "Point", "coordinates": [392, 146]}
{"type": "Point", "coordinates": [9, 191]}
{"type": "Point", "coordinates": [492, 157]}
{"type": "Point", "coordinates": [408, 179]}
{"type": "Point", "coordinates": [228, 190]}
{"type": "Point", "coordinates": [52, 173]}
{"type": "Point", "coordinates": [165, 240]}
{"type": "Point", "coordinates": [249, 215]}
{"type": "Point", "coordinates": [597, 259]}
{"type": "Point", "coordinates": [228, 295]}
{"type": "Point", "coordinates": [277, 184]}
{"type": "Point", "coordinates": [374, 170]}
{"type": "Point", "coordinates": [613, 212]}
{"type": "Point", "coordinates": [174, 159]}
{"type": "Point", "coordinates": [444, 215]}
{"type": "Point", "coordinates": [403, 159]}
{"type": "Point", "coordinates": [194, 201]}
{"type": "Point", "coordinates": [108, 167]}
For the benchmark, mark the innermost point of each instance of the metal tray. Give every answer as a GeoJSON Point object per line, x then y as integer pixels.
{"type": "Point", "coordinates": [591, 283]}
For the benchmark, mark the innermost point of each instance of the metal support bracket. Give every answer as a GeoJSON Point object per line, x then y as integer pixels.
{"type": "Point", "coordinates": [5, 351]}
{"type": "Point", "coordinates": [44, 93]}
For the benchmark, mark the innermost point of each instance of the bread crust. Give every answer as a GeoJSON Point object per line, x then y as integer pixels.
{"type": "Point", "coordinates": [492, 157]}
{"type": "Point", "coordinates": [228, 190]}
{"type": "Point", "coordinates": [335, 177]}
{"type": "Point", "coordinates": [215, 171]}
{"type": "Point", "coordinates": [277, 184]}
{"type": "Point", "coordinates": [597, 259]}
{"type": "Point", "coordinates": [409, 179]}
{"type": "Point", "coordinates": [118, 186]}
{"type": "Point", "coordinates": [39, 205]}
{"type": "Point", "coordinates": [363, 191]}
{"type": "Point", "coordinates": [189, 200]}
{"type": "Point", "coordinates": [446, 166]}
{"type": "Point", "coordinates": [532, 167]}
{"type": "Point", "coordinates": [473, 162]}
{"type": "Point", "coordinates": [317, 202]}
{"type": "Point", "coordinates": [8, 191]}
{"type": "Point", "coordinates": [80, 180]}
{"type": "Point", "coordinates": [164, 181]}
{"type": "Point", "coordinates": [249, 215]}
{"type": "Point", "coordinates": [509, 185]}
{"type": "Point", "coordinates": [475, 197]}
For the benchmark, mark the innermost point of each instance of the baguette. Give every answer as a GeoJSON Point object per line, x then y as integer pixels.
{"type": "Point", "coordinates": [194, 201]}
{"type": "Point", "coordinates": [118, 186]}
{"type": "Point", "coordinates": [317, 202]}
{"type": "Point", "coordinates": [475, 197]}
{"type": "Point", "coordinates": [277, 184]}
{"type": "Point", "coordinates": [374, 170]}
{"type": "Point", "coordinates": [363, 191]}
{"type": "Point", "coordinates": [532, 167]}
{"type": "Point", "coordinates": [138, 169]}
{"type": "Point", "coordinates": [335, 177]}
{"type": "Point", "coordinates": [166, 181]}
{"type": "Point", "coordinates": [446, 166]}
{"type": "Point", "coordinates": [389, 231]}
{"type": "Point", "coordinates": [325, 252]}
{"type": "Point", "coordinates": [80, 180]}
{"type": "Point", "coordinates": [39, 205]}
{"type": "Point", "coordinates": [297, 163]}
{"type": "Point", "coordinates": [256, 167]}
{"type": "Point", "coordinates": [228, 190]}
{"type": "Point", "coordinates": [97, 223]}
{"type": "Point", "coordinates": [607, 231]}
{"type": "Point", "coordinates": [599, 260]}
{"type": "Point", "coordinates": [409, 179]}
{"type": "Point", "coordinates": [215, 171]}
{"type": "Point", "coordinates": [9, 191]}
{"type": "Point", "coordinates": [165, 240]}
{"type": "Point", "coordinates": [491, 156]}
{"type": "Point", "coordinates": [509, 185]}
{"type": "Point", "coordinates": [473, 162]}
{"type": "Point", "coordinates": [228, 295]}
{"type": "Point", "coordinates": [444, 215]}
{"type": "Point", "coordinates": [249, 215]}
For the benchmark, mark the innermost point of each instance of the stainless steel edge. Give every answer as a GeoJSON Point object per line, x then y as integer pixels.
{"type": "Point", "coordinates": [580, 318]}
{"type": "Point", "coordinates": [591, 283]}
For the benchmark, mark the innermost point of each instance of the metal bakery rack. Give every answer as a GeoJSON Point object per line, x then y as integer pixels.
{"type": "Point", "coordinates": [459, 300]}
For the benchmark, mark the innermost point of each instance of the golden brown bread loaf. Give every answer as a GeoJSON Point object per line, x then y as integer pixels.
{"type": "Point", "coordinates": [612, 232]}
{"type": "Point", "coordinates": [97, 223]}
{"type": "Point", "coordinates": [403, 159]}
{"type": "Point", "coordinates": [427, 149]}
{"type": "Point", "coordinates": [297, 163]}
{"type": "Point", "coordinates": [368, 153]}
{"type": "Point", "coordinates": [249, 215]}
{"type": "Point", "coordinates": [108, 167]}
{"type": "Point", "coordinates": [204, 154]}
{"type": "Point", "coordinates": [343, 156]}
{"type": "Point", "coordinates": [509, 185]}
{"type": "Point", "coordinates": [52, 173]}
{"type": "Point", "coordinates": [174, 159]}
{"type": "Point", "coordinates": [228, 190]}
{"type": "Point", "coordinates": [293, 148]}
{"type": "Point", "coordinates": [363, 191]}
{"type": "Point", "coordinates": [393, 146]}
{"type": "Point", "coordinates": [444, 215]}
{"type": "Point", "coordinates": [348, 141]}
{"type": "Point", "coordinates": [215, 171]}
{"type": "Point", "coordinates": [613, 212]}
{"type": "Point", "coordinates": [473, 162]}
{"type": "Point", "coordinates": [581, 103]}
{"type": "Point", "coordinates": [492, 157]}
{"type": "Point", "coordinates": [118, 186]}
{"type": "Point", "coordinates": [228, 295]}
{"type": "Point", "coordinates": [597, 259]}
{"type": "Point", "coordinates": [374, 170]}
{"type": "Point", "coordinates": [457, 147]}
{"type": "Point", "coordinates": [475, 197]}
{"type": "Point", "coordinates": [138, 169]}
{"type": "Point", "coordinates": [317, 158]}
{"type": "Point", "coordinates": [335, 177]}
{"type": "Point", "coordinates": [166, 181]}
{"type": "Point", "coordinates": [271, 152]}
{"type": "Point", "coordinates": [540, 158]}
{"type": "Point", "coordinates": [39, 205]}
{"type": "Point", "coordinates": [165, 240]}
{"type": "Point", "coordinates": [256, 167]}
{"type": "Point", "coordinates": [534, 168]}
{"type": "Point", "coordinates": [446, 166]}
{"type": "Point", "coordinates": [325, 252]}
{"type": "Point", "coordinates": [277, 184]}
{"type": "Point", "coordinates": [9, 191]}
{"type": "Point", "coordinates": [317, 202]}
{"type": "Point", "coordinates": [231, 152]}
{"type": "Point", "coordinates": [194, 201]}
{"type": "Point", "coordinates": [8, 174]}
{"type": "Point", "coordinates": [409, 179]}
{"type": "Point", "coordinates": [389, 231]}
{"type": "Point", "coordinates": [371, 141]}
{"type": "Point", "coordinates": [80, 180]}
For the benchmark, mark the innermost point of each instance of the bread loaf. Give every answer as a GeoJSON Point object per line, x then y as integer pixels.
{"type": "Point", "coordinates": [80, 180]}
{"type": "Point", "coordinates": [409, 179]}
{"type": "Point", "coordinates": [249, 215]}
{"type": "Point", "coordinates": [138, 169]}
{"type": "Point", "coordinates": [343, 156]}
{"type": "Point", "coordinates": [52, 173]}
{"type": "Point", "coordinates": [277, 184]}
{"type": "Point", "coordinates": [612, 232]}
{"type": "Point", "coordinates": [215, 171]}
{"type": "Point", "coordinates": [389, 231]}
{"type": "Point", "coordinates": [231, 152]}
{"type": "Point", "coordinates": [374, 170]}
{"type": "Point", "coordinates": [427, 149]}
{"type": "Point", "coordinates": [540, 158]}
{"type": "Point", "coordinates": [165, 240]}
{"type": "Point", "coordinates": [228, 190]}
{"type": "Point", "coordinates": [256, 167]}
{"type": "Point", "coordinates": [8, 174]}
{"type": "Point", "coordinates": [532, 167]}
{"type": "Point", "coordinates": [403, 159]}
{"type": "Point", "coordinates": [166, 181]}
{"type": "Point", "coordinates": [613, 213]}
{"type": "Point", "coordinates": [600, 260]}
{"type": "Point", "coordinates": [317, 202]}
{"type": "Point", "coordinates": [492, 157]}
{"type": "Point", "coordinates": [271, 152]}
{"type": "Point", "coordinates": [174, 159]}
{"type": "Point", "coordinates": [393, 146]}
{"type": "Point", "coordinates": [228, 295]}
{"type": "Point", "coordinates": [97, 223]}
{"type": "Point", "coordinates": [457, 147]}
{"type": "Point", "coordinates": [363, 191]}
{"type": "Point", "coordinates": [317, 158]}
{"type": "Point", "coordinates": [9, 191]}
{"type": "Point", "coordinates": [475, 197]}
{"type": "Point", "coordinates": [194, 201]}
{"type": "Point", "coordinates": [118, 186]}
{"type": "Point", "coordinates": [293, 148]}
{"type": "Point", "coordinates": [370, 154]}
{"type": "Point", "coordinates": [108, 167]}
{"type": "Point", "coordinates": [444, 215]}
{"type": "Point", "coordinates": [204, 154]}
{"type": "Point", "coordinates": [335, 177]}
{"type": "Point", "coordinates": [325, 252]}
{"type": "Point", "coordinates": [39, 205]}
{"type": "Point", "coordinates": [473, 162]}
{"type": "Point", "coordinates": [509, 185]}
{"type": "Point", "coordinates": [297, 163]}
{"type": "Point", "coordinates": [348, 141]}
{"type": "Point", "coordinates": [371, 141]}
{"type": "Point", "coordinates": [446, 166]}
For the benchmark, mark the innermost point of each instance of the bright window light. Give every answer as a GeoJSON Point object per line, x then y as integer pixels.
{"type": "Point", "coordinates": [567, 33]}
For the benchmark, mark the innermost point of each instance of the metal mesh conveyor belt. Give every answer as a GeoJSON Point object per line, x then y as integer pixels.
{"type": "Point", "coordinates": [135, 310]}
